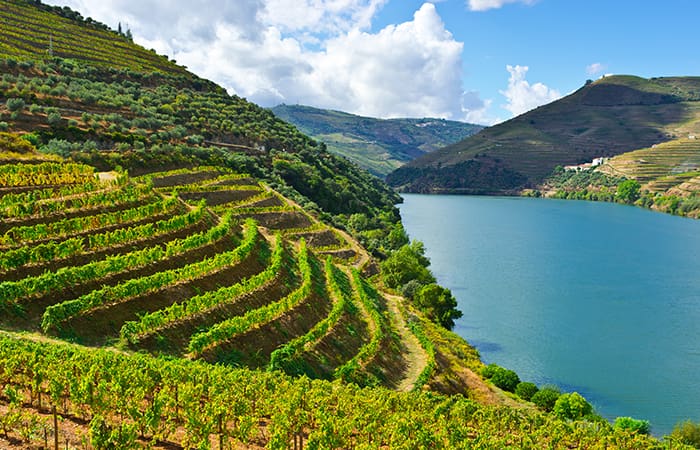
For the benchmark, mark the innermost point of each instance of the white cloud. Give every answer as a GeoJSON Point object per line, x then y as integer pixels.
{"type": "Point", "coordinates": [522, 96]}
{"type": "Point", "coordinates": [595, 68]}
{"type": "Point", "coordinates": [316, 16]}
{"type": "Point", "coordinates": [316, 52]}
{"type": "Point", "coordinates": [484, 5]}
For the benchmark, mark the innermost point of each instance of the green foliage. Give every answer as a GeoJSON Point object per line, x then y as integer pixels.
{"type": "Point", "coordinates": [632, 425]}
{"type": "Point", "coordinates": [438, 304]}
{"type": "Point", "coordinates": [410, 289]}
{"type": "Point", "coordinates": [15, 143]}
{"type": "Point", "coordinates": [546, 398]}
{"type": "Point", "coordinates": [628, 191]}
{"type": "Point", "coordinates": [239, 324]}
{"type": "Point", "coordinates": [15, 104]}
{"type": "Point", "coordinates": [526, 390]}
{"type": "Point", "coordinates": [687, 432]}
{"type": "Point", "coordinates": [53, 118]}
{"type": "Point", "coordinates": [572, 406]}
{"type": "Point", "coordinates": [406, 264]}
{"type": "Point", "coordinates": [505, 379]}
{"type": "Point", "coordinates": [489, 370]}
{"type": "Point", "coordinates": [54, 315]}
{"type": "Point", "coordinates": [189, 402]}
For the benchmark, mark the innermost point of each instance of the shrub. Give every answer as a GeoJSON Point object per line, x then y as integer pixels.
{"type": "Point", "coordinates": [505, 379]}
{"type": "Point", "coordinates": [628, 191]}
{"type": "Point", "coordinates": [632, 425]}
{"type": "Point", "coordinates": [53, 118]}
{"type": "Point", "coordinates": [546, 398]}
{"type": "Point", "coordinates": [687, 433]}
{"type": "Point", "coordinates": [439, 305]}
{"type": "Point", "coordinates": [490, 370]}
{"type": "Point", "coordinates": [526, 390]}
{"type": "Point", "coordinates": [410, 289]}
{"type": "Point", "coordinates": [15, 104]}
{"type": "Point", "coordinates": [572, 406]}
{"type": "Point", "coordinates": [4, 126]}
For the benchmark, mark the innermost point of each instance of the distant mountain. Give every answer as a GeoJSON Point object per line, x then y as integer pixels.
{"type": "Point", "coordinates": [608, 117]}
{"type": "Point", "coordinates": [378, 145]}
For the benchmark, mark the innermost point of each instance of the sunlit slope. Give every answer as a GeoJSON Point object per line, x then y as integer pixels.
{"type": "Point", "coordinates": [660, 167]}
{"type": "Point", "coordinates": [608, 117]}
{"type": "Point", "coordinates": [201, 263]}
{"type": "Point", "coordinates": [28, 30]}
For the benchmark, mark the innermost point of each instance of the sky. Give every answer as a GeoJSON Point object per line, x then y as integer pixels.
{"type": "Point", "coordinates": [479, 61]}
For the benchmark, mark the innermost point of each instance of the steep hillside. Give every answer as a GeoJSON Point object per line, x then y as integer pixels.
{"type": "Point", "coordinates": [377, 145]}
{"type": "Point", "coordinates": [30, 28]}
{"type": "Point", "coordinates": [203, 265]}
{"type": "Point", "coordinates": [163, 225]}
{"type": "Point", "coordinates": [608, 117]}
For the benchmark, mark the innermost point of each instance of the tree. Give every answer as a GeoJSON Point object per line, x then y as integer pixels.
{"type": "Point", "coordinates": [15, 104]}
{"type": "Point", "coordinates": [505, 379]}
{"type": "Point", "coordinates": [687, 433]}
{"type": "Point", "coordinates": [632, 425]}
{"type": "Point", "coordinates": [546, 398]}
{"type": "Point", "coordinates": [406, 264]}
{"type": "Point", "coordinates": [572, 406]}
{"type": "Point", "coordinates": [439, 305]}
{"type": "Point", "coordinates": [628, 191]}
{"type": "Point", "coordinates": [526, 390]}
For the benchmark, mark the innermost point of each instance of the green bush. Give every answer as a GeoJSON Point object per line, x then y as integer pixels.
{"type": "Point", "coordinates": [687, 433]}
{"type": "Point", "coordinates": [628, 191]}
{"type": "Point", "coordinates": [505, 379]}
{"type": "Point", "coordinates": [53, 118]}
{"type": "Point", "coordinates": [632, 425]}
{"type": "Point", "coordinates": [490, 370]}
{"type": "Point", "coordinates": [438, 304]}
{"type": "Point", "coordinates": [572, 406]}
{"type": "Point", "coordinates": [546, 398]}
{"type": "Point", "coordinates": [15, 104]}
{"type": "Point", "coordinates": [526, 390]}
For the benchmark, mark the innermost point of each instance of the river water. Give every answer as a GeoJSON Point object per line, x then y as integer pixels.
{"type": "Point", "coordinates": [598, 298]}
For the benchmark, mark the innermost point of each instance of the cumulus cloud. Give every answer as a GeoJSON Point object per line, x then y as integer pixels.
{"type": "Point", "coordinates": [484, 5]}
{"type": "Point", "coordinates": [595, 68]}
{"type": "Point", "coordinates": [522, 96]}
{"type": "Point", "coordinates": [316, 52]}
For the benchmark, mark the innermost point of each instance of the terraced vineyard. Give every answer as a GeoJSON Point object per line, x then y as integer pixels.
{"type": "Point", "coordinates": [660, 167]}
{"type": "Point", "coordinates": [200, 263]}
{"type": "Point", "coordinates": [40, 31]}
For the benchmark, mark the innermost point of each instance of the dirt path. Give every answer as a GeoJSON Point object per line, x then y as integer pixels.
{"type": "Point", "coordinates": [416, 358]}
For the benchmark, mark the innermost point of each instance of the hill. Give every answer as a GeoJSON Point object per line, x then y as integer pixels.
{"type": "Point", "coordinates": [377, 145]}
{"type": "Point", "coordinates": [605, 118]}
{"type": "Point", "coordinates": [197, 266]}
{"type": "Point", "coordinates": [153, 225]}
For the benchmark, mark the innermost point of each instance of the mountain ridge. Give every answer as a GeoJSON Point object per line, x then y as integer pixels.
{"type": "Point", "coordinates": [603, 118]}
{"type": "Point", "coordinates": [377, 145]}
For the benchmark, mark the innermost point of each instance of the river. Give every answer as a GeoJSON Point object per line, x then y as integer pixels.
{"type": "Point", "coordinates": [598, 298]}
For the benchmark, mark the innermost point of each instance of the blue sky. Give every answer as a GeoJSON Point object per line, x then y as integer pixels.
{"type": "Point", "coordinates": [476, 60]}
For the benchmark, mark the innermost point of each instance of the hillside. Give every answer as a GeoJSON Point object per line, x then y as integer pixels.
{"type": "Point", "coordinates": [203, 265]}
{"type": "Point", "coordinates": [377, 145]}
{"type": "Point", "coordinates": [605, 118]}
{"type": "Point", "coordinates": [177, 270]}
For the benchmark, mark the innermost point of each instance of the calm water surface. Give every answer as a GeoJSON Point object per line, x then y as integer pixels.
{"type": "Point", "coordinates": [598, 298]}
